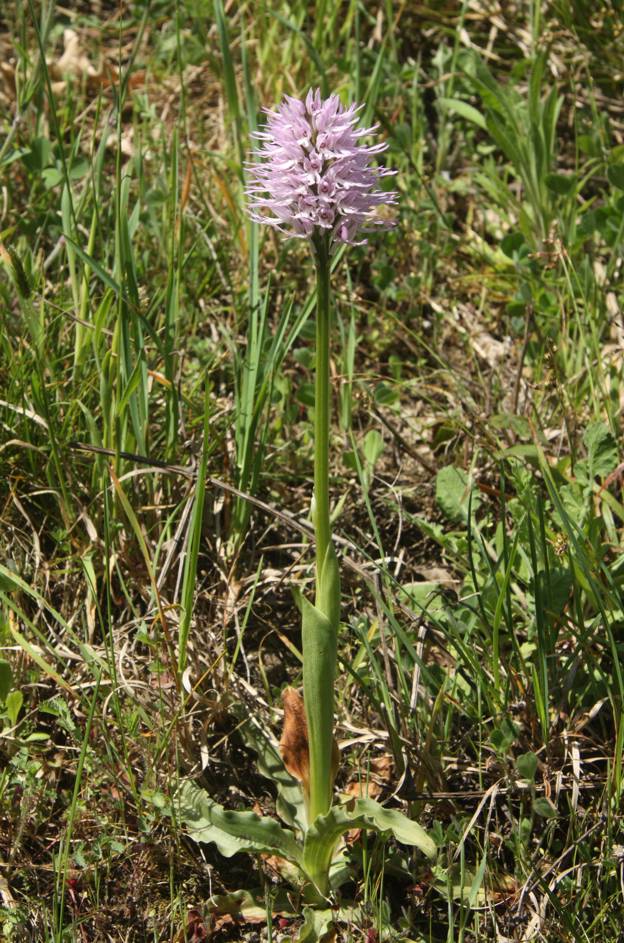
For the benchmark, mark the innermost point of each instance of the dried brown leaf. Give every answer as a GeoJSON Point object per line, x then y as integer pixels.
{"type": "Point", "coordinates": [74, 60]}
{"type": "Point", "coordinates": [294, 743]}
{"type": "Point", "coordinates": [363, 789]}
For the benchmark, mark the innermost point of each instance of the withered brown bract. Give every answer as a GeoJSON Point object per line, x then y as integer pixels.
{"type": "Point", "coordinates": [294, 742]}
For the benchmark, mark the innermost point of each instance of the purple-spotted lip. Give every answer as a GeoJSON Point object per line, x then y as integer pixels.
{"type": "Point", "coordinates": [310, 172]}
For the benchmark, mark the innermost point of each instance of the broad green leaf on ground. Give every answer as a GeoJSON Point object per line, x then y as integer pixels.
{"type": "Point", "coordinates": [318, 926]}
{"type": "Point", "coordinates": [323, 835]}
{"type": "Point", "coordinates": [543, 807]}
{"type": "Point", "coordinates": [340, 871]}
{"type": "Point", "coordinates": [602, 449]}
{"type": "Point", "coordinates": [453, 488]}
{"type": "Point", "coordinates": [252, 906]}
{"type": "Point", "coordinates": [462, 885]}
{"type": "Point", "coordinates": [232, 832]}
{"type": "Point", "coordinates": [240, 904]}
{"type": "Point", "coordinates": [290, 806]}
{"type": "Point", "coordinates": [424, 596]}
{"type": "Point", "coordinates": [526, 764]}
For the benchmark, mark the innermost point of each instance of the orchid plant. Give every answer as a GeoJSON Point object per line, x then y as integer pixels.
{"type": "Point", "coordinates": [311, 178]}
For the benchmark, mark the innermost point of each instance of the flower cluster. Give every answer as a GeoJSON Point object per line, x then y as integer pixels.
{"type": "Point", "coordinates": [313, 174]}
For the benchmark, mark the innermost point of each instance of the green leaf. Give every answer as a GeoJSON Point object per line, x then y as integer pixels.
{"type": "Point", "coordinates": [453, 493]}
{"type": "Point", "coordinates": [561, 184]}
{"type": "Point", "coordinates": [239, 903]}
{"type": "Point", "coordinates": [464, 110]}
{"type": "Point", "coordinates": [372, 447]}
{"type": "Point", "coordinates": [425, 596]}
{"type": "Point", "coordinates": [555, 588]}
{"type": "Point", "coordinates": [98, 270]}
{"type": "Point", "coordinates": [462, 884]}
{"type": "Point", "coordinates": [526, 764]}
{"type": "Point", "coordinates": [323, 835]}
{"type": "Point", "coordinates": [13, 705]}
{"type": "Point", "coordinates": [503, 736]}
{"type": "Point", "coordinates": [318, 926]}
{"type": "Point", "coordinates": [602, 449]}
{"type": "Point", "coordinates": [9, 581]}
{"type": "Point", "coordinates": [33, 652]}
{"type": "Point", "coordinates": [53, 176]}
{"type": "Point", "coordinates": [385, 395]}
{"type": "Point", "coordinates": [290, 806]}
{"type": "Point", "coordinates": [511, 245]}
{"type": "Point", "coordinates": [306, 395]}
{"type": "Point", "coordinates": [615, 174]}
{"type": "Point", "coordinates": [545, 808]}
{"type": "Point", "coordinates": [6, 679]}
{"type": "Point", "coordinates": [475, 894]}
{"type": "Point", "coordinates": [232, 832]}
{"type": "Point", "coordinates": [527, 452]}
{"type": "Point", "coordinates": [39, 155]}
{"type": "Point", "coordinates": [134, 381]}
{"type": "Point", "coordinates": [350, 460]}
{"type": "Point", "coordinates": [252, 905]}
{"type": "Point", "coordinates": [12, 156]}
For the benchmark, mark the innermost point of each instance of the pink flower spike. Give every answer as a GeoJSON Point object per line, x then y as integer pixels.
{"type": "Point", "coordinates": [311, 176]}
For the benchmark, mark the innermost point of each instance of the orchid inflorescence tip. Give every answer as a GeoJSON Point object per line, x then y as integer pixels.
{"type": "Point", "coordinates": [311, 175]}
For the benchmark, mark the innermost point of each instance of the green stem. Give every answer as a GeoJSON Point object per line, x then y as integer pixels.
{"type": "Point", "coordinates": [321, 407]}
{"type": "Point", "coordinates": [320, 622]}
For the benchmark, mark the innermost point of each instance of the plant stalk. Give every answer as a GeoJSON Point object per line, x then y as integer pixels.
{"type": "Point", "coordinates": [320, 622]}
{"type": "Point", "coordinates": [322, 525]}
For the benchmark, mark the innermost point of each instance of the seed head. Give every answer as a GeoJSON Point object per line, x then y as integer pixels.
{"type": "Point", "coordinates": [312, 175]}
